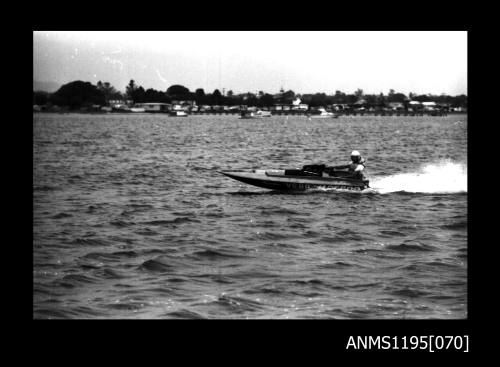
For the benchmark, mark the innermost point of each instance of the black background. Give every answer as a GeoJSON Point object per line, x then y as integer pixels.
{"type": "Point", "coordinates": [241, 341]}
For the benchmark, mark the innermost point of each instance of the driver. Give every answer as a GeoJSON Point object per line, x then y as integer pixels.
{"type": "Point", "coordinates": [355, 168]}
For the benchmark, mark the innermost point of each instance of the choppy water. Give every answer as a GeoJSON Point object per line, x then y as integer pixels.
{"type": "Point", "coordinates": [130, 219]}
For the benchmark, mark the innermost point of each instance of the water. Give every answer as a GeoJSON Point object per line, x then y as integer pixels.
{"type": "Point", "coordinates": [131, 220]}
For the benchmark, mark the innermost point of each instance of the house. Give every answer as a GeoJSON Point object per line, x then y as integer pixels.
{"type": "Point", "coordinates": [185, 103]}
{"type": "Point", "coordinates": [340, 106]}
{"type": "Point", "coordinates": [429, 106]}
{"type": "Point", "coordinates": [284, 107]}
{"type": "Point", "coordinates": [154, 106]}
{"type": "Point", "coordinates": [177, 107]}
{"type": "Point", "coordinates": [300, 107]}
{"type": "Point", "coordinates": [414, 105]}
{"type": "Point", "coordinates": [360, 105]}
{"type": "Point", "coordinates": [126, 102]}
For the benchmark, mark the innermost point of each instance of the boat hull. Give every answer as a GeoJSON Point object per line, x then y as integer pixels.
{"type": "Point", "coordinates": [324, 116]}
{"type": "Point", "coordinates": [276, 180]}
{"type": "Point", "coordinates": [178, 114]}
{"type": "Point", "coordinates": [255, 115]}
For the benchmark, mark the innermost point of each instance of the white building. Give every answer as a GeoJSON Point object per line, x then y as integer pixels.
{"type": "Point", "coordinates": [429, 106]}
{"type": "Point", "coordinates": [153, 106]}
{"type": "Point", "coordinates": [115, 102]}
{"type": "Point", "coordinates": [414, 105]}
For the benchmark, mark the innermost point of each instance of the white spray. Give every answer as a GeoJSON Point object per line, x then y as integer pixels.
{"type": "Point", "coordinates": [441, 177]}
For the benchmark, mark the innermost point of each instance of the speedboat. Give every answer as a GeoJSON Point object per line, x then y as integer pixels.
{"type": "Point", "coordinates": [178, 114]}
{"type": "Point", "coordinates": [137, 109]}
{"type": "Point", "coordinates": [309, 177]}
{"type": "Point", "coordinates": [255, 114]}
{"type": "Point", "coordinates": [323, 114]}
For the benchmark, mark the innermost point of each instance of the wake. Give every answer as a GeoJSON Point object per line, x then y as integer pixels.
{"type": "Point", "coordinates": [444, 177]}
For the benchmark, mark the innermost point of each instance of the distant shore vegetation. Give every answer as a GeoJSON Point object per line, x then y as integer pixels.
{"type": "Point", "coordinates": [81, 95]}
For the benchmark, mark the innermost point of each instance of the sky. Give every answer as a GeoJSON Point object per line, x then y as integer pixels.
{"type": "Point", "coordinates": [251, 61]}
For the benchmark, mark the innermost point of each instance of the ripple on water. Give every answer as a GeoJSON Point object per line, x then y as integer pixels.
{"type": "Point", "coordinates": [157, 265]}
{"type": "Point", "coordinates": [129, 222]}
{"type": "Point", "coordinates": [411, 247]}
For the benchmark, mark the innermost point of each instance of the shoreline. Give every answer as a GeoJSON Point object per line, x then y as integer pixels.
{"type": "Point", "coordinates": [273, 113]}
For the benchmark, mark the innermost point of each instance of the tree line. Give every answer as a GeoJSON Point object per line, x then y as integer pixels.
{"type": "Point", "coordinates": [79, 94]}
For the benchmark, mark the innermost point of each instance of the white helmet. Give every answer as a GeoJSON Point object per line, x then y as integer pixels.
{"type": "Point", "coordinates": [355, 153]}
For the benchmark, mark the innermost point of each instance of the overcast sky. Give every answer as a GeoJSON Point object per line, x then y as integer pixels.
{"type": "Point", "coordinates": [306, 62]}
